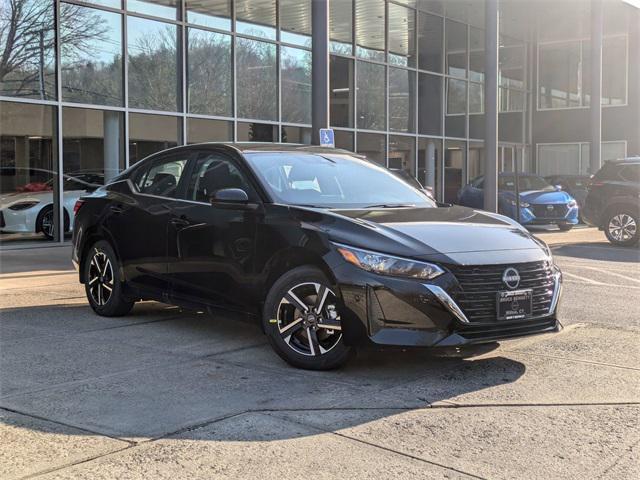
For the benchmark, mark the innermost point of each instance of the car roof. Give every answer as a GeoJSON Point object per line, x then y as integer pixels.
{"type": "Point", "coordinates": [623, 161]}
{"type": "Point", "coordinates": [252, 147]}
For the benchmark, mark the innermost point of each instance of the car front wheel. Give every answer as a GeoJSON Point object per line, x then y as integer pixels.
{"type": "Point", "coordinates": [302, 320]}
{"type": "Point", "coordinates": [102, 283]}
{"type": "Point", "coordinates": [621, 228]}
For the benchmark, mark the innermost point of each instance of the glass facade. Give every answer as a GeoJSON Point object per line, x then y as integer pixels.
{"type": "Point", "coordinates": [89, 87]}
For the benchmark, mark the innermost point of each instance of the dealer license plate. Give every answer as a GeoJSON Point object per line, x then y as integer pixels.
{"type": "Point", "coordinates": [514, 305]}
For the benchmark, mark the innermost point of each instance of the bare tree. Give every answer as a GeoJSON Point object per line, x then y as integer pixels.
{"type": "Point", "coordinates": [27, 43]}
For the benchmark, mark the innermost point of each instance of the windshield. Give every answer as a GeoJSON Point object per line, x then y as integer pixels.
{"type": "Point", "coordinates": [332, 181]}
{"type": "Point", "coordinates": [527, 182]}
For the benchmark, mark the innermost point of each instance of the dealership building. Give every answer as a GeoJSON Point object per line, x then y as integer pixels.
{"type": "Point", "coordinates": [88, 88]}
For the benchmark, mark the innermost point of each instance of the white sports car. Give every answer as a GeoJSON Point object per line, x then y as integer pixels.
{"type": "Point", "coordinates": [32, 211]}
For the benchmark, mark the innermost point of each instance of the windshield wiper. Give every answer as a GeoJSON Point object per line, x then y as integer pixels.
{"type": "Point", "coordinates": [391, 205]}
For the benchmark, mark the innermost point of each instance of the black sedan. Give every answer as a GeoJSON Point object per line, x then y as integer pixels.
{"type": "Point", "coordinates": [327, 250]}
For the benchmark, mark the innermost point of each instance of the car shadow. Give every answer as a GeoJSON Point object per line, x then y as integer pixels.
{"type": "Point", "coordinates": [162, 372]}
{"type": "Point", "coordinates": [602, 251]}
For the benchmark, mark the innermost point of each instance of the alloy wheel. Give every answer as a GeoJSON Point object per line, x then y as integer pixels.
{"type": "Point", "coordinates": [308, 320]}
{"type": "Point", "coordinates": [48, 227]}
{"type": "Point", "coordinates": [100, 278]}
{"type": "Point", "coordinates": [622, 227]}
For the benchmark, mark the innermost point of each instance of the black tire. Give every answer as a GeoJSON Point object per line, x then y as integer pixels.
{"type": "Point", "coordinates": [289, 329]}
{"type": "Point", "coordinates": [102, 282]}
{"type": "Point", "coordinates": [45, 223]}
{"type": "Point", "coordinates": [621, 227]}
{"type": "Point", "coordinates": [565, 227]}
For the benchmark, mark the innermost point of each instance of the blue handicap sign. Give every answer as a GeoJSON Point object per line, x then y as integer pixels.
{"type": "Point", "coordinates": [326, 137]}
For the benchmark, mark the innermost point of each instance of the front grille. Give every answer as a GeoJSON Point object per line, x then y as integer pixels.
{"type": "Point", "coordinates": [543, 211]}
{"type": "Point", "coordinates": [480, 284]}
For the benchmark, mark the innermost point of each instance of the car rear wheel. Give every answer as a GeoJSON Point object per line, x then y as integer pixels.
{"type": "Point", "coordinates": [102, 283]}
{"type": "Point", "coordinates": [45, 223]}
{"type": "Point", "coordinates": [302, 320]}
{"type": "Point", "coordinates": [621, 228]}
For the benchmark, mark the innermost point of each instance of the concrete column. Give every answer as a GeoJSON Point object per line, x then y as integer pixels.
{"type": "Point", "coordinates": [595, 153]}
{"type": "Point", "coordinates": [491, 43]}
{"type": "Point", "coordinates": [112, 142]}
{"type": "Point", "coordinates": [320, 66]}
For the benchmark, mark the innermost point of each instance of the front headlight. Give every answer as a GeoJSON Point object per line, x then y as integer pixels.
{"type": "Point", "coordinates": [522, 204]}
{"type": "Point", "coordinates": [389, 265]}
{"type": "Point", "coordinates": [572, 204]}
{"type": "Point", "coordinates": [23, 205]}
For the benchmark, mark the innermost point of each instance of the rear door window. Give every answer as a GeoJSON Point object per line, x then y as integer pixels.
{"type": "Point", "coordinates": [162, 177]}
{"type": "Point", "coordinates": [630, 173]}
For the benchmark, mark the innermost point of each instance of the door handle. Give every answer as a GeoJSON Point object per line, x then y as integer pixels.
{"type": "Point", "coordinates": [116, 208]}
{"type": "Point", "coordinates": [179, 222]}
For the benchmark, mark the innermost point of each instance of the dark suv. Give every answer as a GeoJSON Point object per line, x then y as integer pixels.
{"type": "Point", "coordinates": [613, 202]}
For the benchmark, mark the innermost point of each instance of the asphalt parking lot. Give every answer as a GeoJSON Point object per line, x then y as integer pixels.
{"type": "Point", "coordinates": [165, 393]}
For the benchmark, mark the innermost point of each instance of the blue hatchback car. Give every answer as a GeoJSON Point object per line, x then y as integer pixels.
{"type": "Point", "coordinates": [540, 203]}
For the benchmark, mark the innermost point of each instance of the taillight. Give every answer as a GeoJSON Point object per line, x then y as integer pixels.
{"type": "Point", "coordinates": [77, 206]}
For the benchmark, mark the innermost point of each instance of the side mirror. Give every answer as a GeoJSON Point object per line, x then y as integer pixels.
{"type": "Point", "coordinates": [558, 188]}
{"type": "Point", "coordinates": [229, 195]}
{"type": "Point", "coordinates": [232, 198]}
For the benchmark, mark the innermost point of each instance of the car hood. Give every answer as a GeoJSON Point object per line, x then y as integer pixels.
{"type": "Point", "coordinates": [461, 234]}
{"type": "Point", "coordinates": [540, 196]}
{"type": "Point", "coordinates": [15, 197]}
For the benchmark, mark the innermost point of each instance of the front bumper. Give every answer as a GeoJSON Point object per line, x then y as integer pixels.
{"type": "Point", "coordinates": [404, 312]}
{"type": "Point", "coordinates": [560, 214]}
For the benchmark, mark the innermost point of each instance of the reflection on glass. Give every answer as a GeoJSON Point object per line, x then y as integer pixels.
{"type": "Point", "coordinates": [371, 96]}
{"type": "Point", "coordinates": [511, 65]}
{"type": "Point", "coordinates": [402, 35]}
{"type": "Point", "coordinates": [107, 3]}
{"type": "Point", "coordinates": [373, 146]}
{"type": "Point", "coordinates": [341, 91]}
{"type": "Point", "coordinates": [476, 97]}
{"type": "Point", "coordinates": [402, 154]}
{"type": "Point", "coordinates": [295, 22]}
{"type": "Point", "coordinates": [295, 73]}
{"type": "Point", "coordinates": [341, 26]}
{"type": "Point", "coordinates": [476, 161]}
{"type": "Point", "coordinates": [456, 45]}
{"type": "Point", "coordinates": [157, 8]}
{"type": "Point", "coordinates": [256, 18]}
{"type": "Point", "coordinates": [456, 108]}
{"type": "Point", "coordinates": [292, 134]}
{"type": "Point", "coordinates": [257, 95]}
{"type": "Point", "coordinates": [476, 54]}
{"type": "Point", "coordinates": [429, 159]}
{"type": "Point", "coordinates": [370, 28]}
{"type": "Point", "coordinates": [153, 69]}
{"type": "Point", "coordinates": [344, 139]}
{"type": "Point", "coordinates": [201, 130]}
{"type": "Point", "coordinates": [149, 134]}
{"type": "Point", "coordinates": [27, 163]}
{"type": "Point", "coordinates": [209, 72]}
{"type": "Point", "coordinates": [402, 100]}
{"type": "Point", "coordinates": [210, 13]}
{"type": "Point", "coordinates": [92, 149]}
{"type": "Point", "coordinates": [614, 64]}
{"type": "Point", "coordinates": [558, 72]}
{"type": "Point", "coordinates": [93, 73]}
{"type": "Point", "coordinates": [27, 47]}
{"type": "Point", "coordinates": [257, 132]}
{"type": "Point", "coordinates": [430, 34]}
{"type": "Point", "coordinates": [429, 104]}
{"type": "Point", "coordinates": [454, 160]}
{"type": "Point", "coordinates": [510, 100]}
